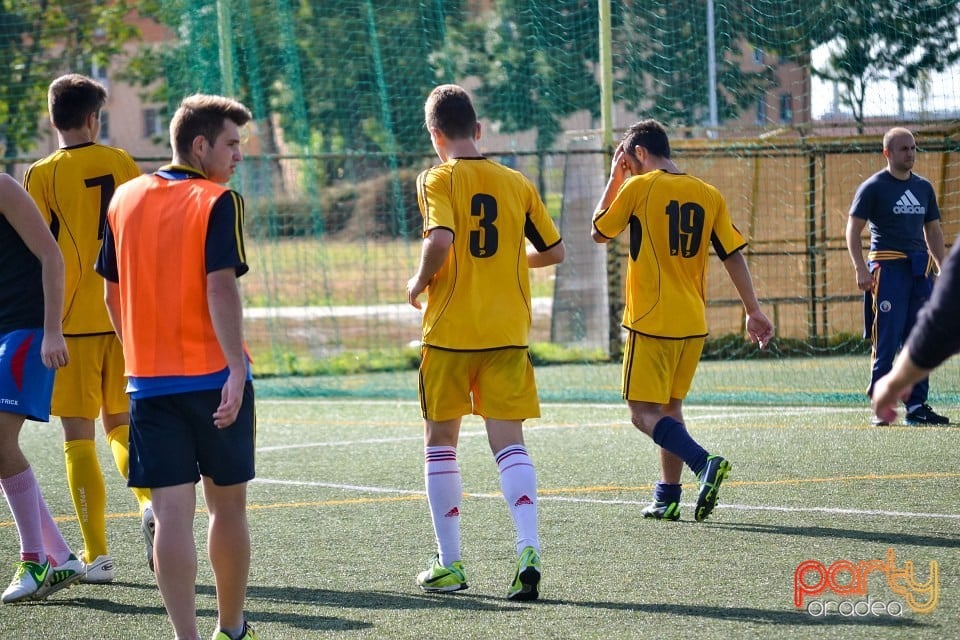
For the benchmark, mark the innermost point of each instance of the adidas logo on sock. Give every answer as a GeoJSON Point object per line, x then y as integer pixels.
{"type": "Point", "coordinates": [453, 513]}
{"type": "Point", "coordinates": [524, 499]}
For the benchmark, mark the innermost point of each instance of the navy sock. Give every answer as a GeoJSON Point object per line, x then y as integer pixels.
{"type": "Point", "coordinates": [672, 436]}
{"type": "Point", "coordinates": [667, 493]}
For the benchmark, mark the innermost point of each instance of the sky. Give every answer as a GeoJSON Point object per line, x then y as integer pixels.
{"type": "Point", "coordinates": [942, 99]}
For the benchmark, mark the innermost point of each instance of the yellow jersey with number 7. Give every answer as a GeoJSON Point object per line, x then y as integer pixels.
{"type": "Point", "coordinates": [72, 187]}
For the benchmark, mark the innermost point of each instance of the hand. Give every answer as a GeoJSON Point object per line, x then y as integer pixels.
{"type": "Point", "coordinates": [759, 328]}
{"type": "Point", "coordinates": [865, 281]}
{"type": "Point", "coordinates": [619, 169]}
{"type": "Point", "coordinates": [886, 394]}
{"type": "Point", "coordinates": [414, 288]}
{"type": "Point", "coordinates": [53, 351]}
{"type": "Point", "coordinates": [231, 398]}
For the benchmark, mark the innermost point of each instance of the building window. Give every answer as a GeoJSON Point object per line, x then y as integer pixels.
{"type": "Point", "coordinates": [99, 73]}
{"type": "Point", "coordinates": [786, 108]}
{"type": "Point", "coordinates": [104, 127]}
{"type": "Point", "coordinates": [152, 124]}
{"type": "Point", "coordinates": [761, 111]}
{"type": "Point", "coordinates": [758, 56]}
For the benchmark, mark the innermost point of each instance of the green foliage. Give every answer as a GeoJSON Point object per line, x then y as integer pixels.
{"type": "Point", "coordinates": [40, 40]}
{"type": "Point", "coordinates": [661, 62]}
{"type": "Point", "coordinates": [345, 209]}
{"type": "Point", "coordinates": [534, 60]}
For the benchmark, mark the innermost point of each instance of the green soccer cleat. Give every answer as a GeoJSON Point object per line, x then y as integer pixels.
{"type": "Point", "coordinates": [27, 580]}
{"type": "Point", "coordinates": [662, 510]}
{"type": "Point", "coordinates": [247, 634]}
{"type": "Point", "coordinates": [526, 581]}
{"type": "Point", "coordinates": [710, 478]}
{"type": "Point", "coordinates": [441, 579]}
{"type": "Point", "coordinates": [62, 576]}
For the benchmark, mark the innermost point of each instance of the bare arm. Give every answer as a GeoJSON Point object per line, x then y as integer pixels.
{"type": "Point", "coordinates": [553, 255]}
{"type": "Point", "coordinates": [111, 296]}
{"type": "Point", "coordinates": [896, 385]}
{"type": "Point", "coordinates": [855, 227]}
{"type": "Point", "coordinates": [226, 312]}
{"type": "Point", "coordinates": [933, 233]}
{"type": "Point", "coordinates": [22, 214]}
{"type": "Point", "coordinates": [436, 246]}
{"type": "Point", "coordinates": [759, 326]}
{"type": "Point", "coordinates": [618, 174]}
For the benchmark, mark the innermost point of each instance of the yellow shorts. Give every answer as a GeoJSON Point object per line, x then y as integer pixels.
{"type": "Point", "coordinates": [496, 384]}
{"type": "Point", "coordinates": [656, 369]}
{"type": "Point", "coordinates": [93, 380]}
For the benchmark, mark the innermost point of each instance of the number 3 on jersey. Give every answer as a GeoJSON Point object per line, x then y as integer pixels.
{"type": "Point", "coordinates": [483, 241]}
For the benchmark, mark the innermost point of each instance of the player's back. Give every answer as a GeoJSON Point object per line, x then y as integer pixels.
{"type": "Point", "coordinates": [481, 297]}
{"type": "Point", "coordinates": [72, 187]}
{"type": "Point", "coordinates": [677, 218]}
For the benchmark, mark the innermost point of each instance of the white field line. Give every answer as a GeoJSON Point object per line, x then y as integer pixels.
{"type": "Point", "coordinates": [721, 414]}
{"type": "Point", "coordinates": [638, 503]}
{"type": "Point", "coordinates": [470, 431]}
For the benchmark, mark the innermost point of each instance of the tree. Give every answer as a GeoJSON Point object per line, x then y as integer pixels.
{"type": "Point", "coordinates": [42, 39]}
{"type": "Point", "coordinates": [661, 58]}
{"type": "Point", "coordinates": [344, 79]}
{"type": "Point", "coordinates": [872, 40]}
{"type": "Point", "coordinates": [535, 61]}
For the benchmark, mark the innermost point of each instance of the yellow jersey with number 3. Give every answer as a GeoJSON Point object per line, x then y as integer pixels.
{"type": "Point", "coordinates": [72, 187]}
{"type": "Point", "coordinates": [673, 220]}
{"type": "Point", "coordinates": [480, 298]}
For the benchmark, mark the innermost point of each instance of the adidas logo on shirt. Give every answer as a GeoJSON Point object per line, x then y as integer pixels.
{"type": "Point", "coordinates": [909, 205]}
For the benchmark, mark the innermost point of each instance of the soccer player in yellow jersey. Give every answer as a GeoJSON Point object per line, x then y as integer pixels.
{"type": "Point", "coordinates": [72, 187]}
{"type": "Point", "coordinates": [484, 226]}
{"type": "Point", "coordinates": [673, 219]}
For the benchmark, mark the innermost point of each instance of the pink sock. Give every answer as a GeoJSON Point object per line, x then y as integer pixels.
{"type": "Point", "coordinates": [53, 543]}
{"type": "Point", "coordinates": [22, 494]}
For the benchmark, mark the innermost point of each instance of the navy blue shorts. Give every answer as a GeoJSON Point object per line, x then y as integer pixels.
{"type": "Point", "coordinates": [26, 384]}
{"type": "Point", "coordinates": [173, 440]}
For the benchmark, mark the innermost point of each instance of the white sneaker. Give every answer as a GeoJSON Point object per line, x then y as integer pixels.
{"type": "Point", "coordinates": [149, 526]}
{"type": "Point", "coordinates": [27, 580]}
{"type": "Point", "coordinates": [100, 571]}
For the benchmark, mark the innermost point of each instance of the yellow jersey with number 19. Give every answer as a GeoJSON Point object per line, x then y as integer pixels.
{"type": "Point", "coordinates": [72, 187]}
{"type": "Point", "coordinates": [673, 220]}
{"type": "Point", "coordinates": [480, 298]}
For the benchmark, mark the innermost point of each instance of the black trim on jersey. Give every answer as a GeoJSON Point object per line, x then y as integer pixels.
{"type": "Point", "coordinates": [509, 346]}
{"type": "Point", "coordinates": [447, 228]}
{"type": "Point", "coordinates": [650, 335]}
{"type": "Point", "coordinates": [533, 235]}
{"type": "Point", "coordinates": [723, 255]}
{"type": "Point", "coordinates": [70, 147]}
{"type": "Point", "coordinates": [55, 225]}
{"type": "Point", "coordinates": [89, 335]}
{"type": "Point", "coordinates": [596, 217]}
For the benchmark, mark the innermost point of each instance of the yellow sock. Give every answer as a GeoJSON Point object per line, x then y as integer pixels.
{"type": "Point", "coordinates": [119, 440]}
{"type": "Point", "coordinates": [89, 495]}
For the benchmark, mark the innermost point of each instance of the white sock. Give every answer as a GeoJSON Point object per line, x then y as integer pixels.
{"type": "Point", "coordinates": [518, 481]}
{"type": "Point", "coordinates": [444, 493]}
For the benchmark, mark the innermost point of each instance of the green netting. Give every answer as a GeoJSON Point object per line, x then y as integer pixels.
{"type": "Point", "coordinates": [780, 104]}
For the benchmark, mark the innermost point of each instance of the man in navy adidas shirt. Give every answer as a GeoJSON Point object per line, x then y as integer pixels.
{"type": "Point", "coordinates": [906, 250]}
